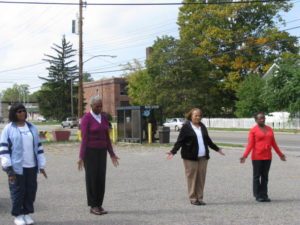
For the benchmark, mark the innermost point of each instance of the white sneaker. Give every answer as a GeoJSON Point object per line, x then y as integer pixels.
{"type": "Point", "coordinates": [19, 220]}
{"type": "Point", "coordinates": [28, 220]}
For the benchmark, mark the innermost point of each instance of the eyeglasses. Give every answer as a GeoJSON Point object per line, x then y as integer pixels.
{"type": "Point", "coordinates": [21, 110]}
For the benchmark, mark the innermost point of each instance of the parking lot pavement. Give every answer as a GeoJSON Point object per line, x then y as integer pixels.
{"type": "Point", "coordinates": [147, 189]}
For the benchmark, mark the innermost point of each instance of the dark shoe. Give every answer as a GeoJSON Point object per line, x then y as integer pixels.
{"type": "Point", "coordinates": [202, 203]}
{"type": "Point", "coordinates": [195, 202]}
{"type": "Point", "coordinates": [259, 199]}
{"type": "Point", "coordinates": [267, 200]}
{"type": "Point", "coordinates": [95, 211]}
{"type": "Point", "coordinates": [102, 211]}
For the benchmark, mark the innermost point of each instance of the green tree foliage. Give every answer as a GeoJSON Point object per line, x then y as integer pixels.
{"type": "Point", "coordinates": [282, 91]}
{"type": "Point", "coordinates": [180, 80]}
{"type": "Point", "coordinates": [139, 84]}
{"type": "Point", "coordinates": [55, 95]}
{"type": "Point", "coordinates": [250, 95]}
{"type": "Point", "coordinates": [17, 93]}
{"type": "Point", "coordinates": [236, 39]}
{"type": "Point", "coordinates": [33, 97]}
{"type": "Point", "coordinates": [87, 77]}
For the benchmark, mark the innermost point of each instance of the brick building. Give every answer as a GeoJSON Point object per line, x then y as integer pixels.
{"type": "Point", "coordinates": [112, 91]}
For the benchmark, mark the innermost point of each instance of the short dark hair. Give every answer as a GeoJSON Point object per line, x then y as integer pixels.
{"type": "Point", "coordinates": [12, 116]}
{"type": "Point", "coordinates": [188, 116]}
{"type": "Point", "coordinates": [256, 114]}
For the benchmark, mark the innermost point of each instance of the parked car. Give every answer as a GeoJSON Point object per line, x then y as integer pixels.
{"type": "Point", "coordinates": [174, 123]}
{"type": "Point", "coordinates": [70, 122]}
{"type": "Point", "coordinates": [41, 119]}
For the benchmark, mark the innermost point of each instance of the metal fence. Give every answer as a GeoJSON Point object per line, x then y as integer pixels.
{"type": "Point", "coordinates": [248, 123]}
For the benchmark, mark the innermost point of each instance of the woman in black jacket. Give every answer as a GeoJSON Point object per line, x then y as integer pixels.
{"type": "Point", "coordinates": [193, 140]}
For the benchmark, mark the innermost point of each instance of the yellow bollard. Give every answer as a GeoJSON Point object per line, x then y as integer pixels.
{"type": "Point", "coordinates": [49, 136]}
{"type": "Point", "coordinates": [114, 133]}
{"type": "Point", "coordinates": [79, 135]}
{"type": "Point", "coordinates": [149, 133]}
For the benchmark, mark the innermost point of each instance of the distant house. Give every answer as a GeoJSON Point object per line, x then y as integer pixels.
{"type": "Point", "coordinates": [31, 107]}
{"type": "Point", "coordinates": [273, 69]}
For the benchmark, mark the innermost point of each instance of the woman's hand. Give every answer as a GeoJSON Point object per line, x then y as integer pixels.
{"type": "Point", "coordinates": [221, 152]}
{"type": "Point", "coordinates": [115, 160]}
{"type": "Point", "coordinates": [80, 164]}
{"type": "Point", "coordinates": [170, 155]}
{"type": "Point", "coordinates": [242, 159]}
{"type": "Point", "coordinates": [42, 171]}
{"type": "Point", "coordinates": [12, 179]}
{"type": "Point", "coordinates": [283, 158]}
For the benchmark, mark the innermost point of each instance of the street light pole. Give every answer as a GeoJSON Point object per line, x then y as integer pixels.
{"type": "Point", "coordinates": [80, 75]}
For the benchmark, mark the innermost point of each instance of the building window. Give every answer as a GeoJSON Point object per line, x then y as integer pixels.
{"type": "Point", "coordinates": [124, 103]}
{"type": "Point", "coordinates": [123, 89]}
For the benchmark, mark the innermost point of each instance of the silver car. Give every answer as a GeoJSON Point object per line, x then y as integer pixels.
{"type": "Point", "coordinates": [70, 122]}
{"type": "Point", "coordinates": [174, 123]}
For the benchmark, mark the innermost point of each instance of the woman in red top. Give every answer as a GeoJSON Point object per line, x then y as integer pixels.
{"type": "Point", "coordinates": [261, 141]}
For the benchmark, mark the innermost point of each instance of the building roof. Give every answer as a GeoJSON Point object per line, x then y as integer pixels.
{"type": "Point", "coordinates": [271, 71]}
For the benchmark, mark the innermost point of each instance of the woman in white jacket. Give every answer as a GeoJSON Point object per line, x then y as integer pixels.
{"type": "Point", "coordinates": [22, 157]}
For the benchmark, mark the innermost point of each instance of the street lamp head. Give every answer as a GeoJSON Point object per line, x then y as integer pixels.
{"type": "Point", "coordinates": [96, 56]}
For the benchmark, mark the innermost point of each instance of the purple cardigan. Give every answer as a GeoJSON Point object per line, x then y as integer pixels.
{"type": "Point", "coordinates": [94, 134]}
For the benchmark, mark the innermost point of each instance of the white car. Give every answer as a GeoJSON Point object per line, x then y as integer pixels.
{"type": "Point", "coordinates": [70, 122]}
{"type": "Point", "coordinates": [41, 119]}
{"type": "Point", "coordinates": [174, 123]}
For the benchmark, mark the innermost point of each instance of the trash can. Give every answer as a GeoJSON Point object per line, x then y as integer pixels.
{"type": "Point", "coordinates": [164, 134]}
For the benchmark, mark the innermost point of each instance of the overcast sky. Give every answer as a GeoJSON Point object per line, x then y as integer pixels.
{"type": "Point", "coordinates": [27, 32]}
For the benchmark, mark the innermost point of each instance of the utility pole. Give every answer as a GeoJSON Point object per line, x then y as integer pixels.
{"type": "Point", "coordinates": [72, 105]}
{"type": "Point", "coordinates": [80, 75]}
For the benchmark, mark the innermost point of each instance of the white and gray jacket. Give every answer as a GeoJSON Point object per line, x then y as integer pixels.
{"type": "Point", "coordinates": [11, 148]}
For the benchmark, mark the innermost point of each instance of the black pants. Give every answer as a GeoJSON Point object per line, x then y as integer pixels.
{"type": "Point", "coordinates": [23, 192]}
{"type": "Point", "coordinates": [95, 173]}
{"type": "Point", "coordinates": [260, 178]}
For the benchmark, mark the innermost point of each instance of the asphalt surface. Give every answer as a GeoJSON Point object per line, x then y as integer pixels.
{"type": "Point", "coordinates": [146, 189]}
{"type": "Point", "coordinates": [286, 141]}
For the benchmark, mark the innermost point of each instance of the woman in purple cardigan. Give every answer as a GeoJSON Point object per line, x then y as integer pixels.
{"type": "Point", "coordinates": [93, 153]}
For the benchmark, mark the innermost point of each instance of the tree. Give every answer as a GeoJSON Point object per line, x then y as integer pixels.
{"type": "Point", "coordinates": [139, 84]}
{"type": "Point", "coordinates": [87, 77]}
{"type": "Point", "coordinates": [180, 80]}
{"type": "Point", "coordinates": [55, 95]}
{"type": "Point", "coordinates": [250, 97]}
{"type": "Point", "coordinates": [17, 93]}
{"type": "Point", "coordinates": [282, 91]}
{"type": "Point", "coordinates": [236, 39]}
{"type": "Point", "coordinates": [33, 97]}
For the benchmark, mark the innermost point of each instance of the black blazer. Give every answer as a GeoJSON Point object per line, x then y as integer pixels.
{"type": "Point", "coordinates": [187, 141]}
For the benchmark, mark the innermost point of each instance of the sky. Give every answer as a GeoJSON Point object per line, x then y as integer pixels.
{"type": "Point", "coordinates": [27, 33]}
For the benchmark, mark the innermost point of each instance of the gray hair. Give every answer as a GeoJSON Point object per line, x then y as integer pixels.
{"type": "Point", "coordinates": [94, 99]}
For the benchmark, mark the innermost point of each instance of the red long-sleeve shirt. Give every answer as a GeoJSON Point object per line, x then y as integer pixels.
{"type": "Point", "coordinates": [261, 143]}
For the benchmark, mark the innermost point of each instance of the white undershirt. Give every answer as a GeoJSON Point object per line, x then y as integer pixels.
{"type": "Point", "coordinates": [201, 149]}
{"type": "Point", "coordinates": [28, 153]}
{"type": "Point", "coordinates": [97, 117]}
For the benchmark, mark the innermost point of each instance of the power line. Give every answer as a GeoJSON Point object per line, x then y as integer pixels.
{"type": "Point", "coordinates": [22, 67]}
{"type": "Point", "coordinates": [133, 46]}
{"type": "Point", "coordinates": [211, 56]}
{"type": "Point", "coordinates": [141, 4]}
{"type": "Point", "coordinates": [292, 28]}
{"type": "Point", "coordinates": [123, 47]}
